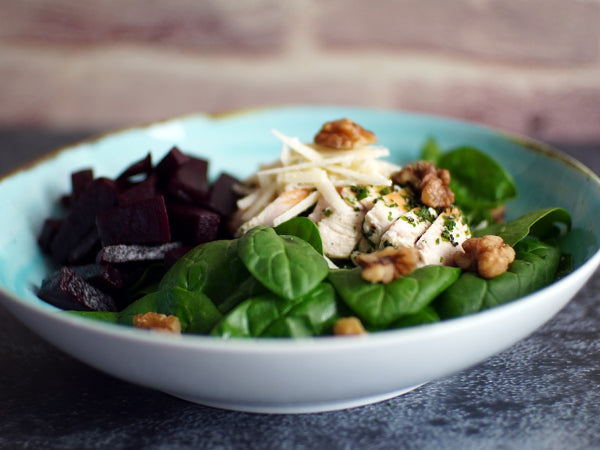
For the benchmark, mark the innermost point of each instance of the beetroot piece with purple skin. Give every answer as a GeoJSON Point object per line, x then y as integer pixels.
{"type": "Point", "coordinates": [169, 164]}
{"type": "Point", "coordinates": [222, 198]}
{"type": "Point", "coordinates": [66, 289]}
{"type": "Point", "coordinates": [141, 222]}
{"type": "Point", "coordinates": [143, 190]}
{"type": "Point", "coordinates": [100, 195]}
{"type": "Point", "coordinates": [189, 183]}
{"type": "Point", "coordinates": [125, 254]}
{"type": "Point", "coordinates": [193, 225]}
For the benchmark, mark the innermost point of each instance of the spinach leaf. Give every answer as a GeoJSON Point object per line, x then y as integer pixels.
{"type": "Point", "coordinates": [426, 315]}
{"type": "Point", "coordinates": [148, 303]}
{"type": "Point", "coordinates": [286, 265]}
{"type": "Point", "coordinates": [274, 316]}
{"type": "Point", "coordinates": [305, 229]}
{"type": "Point", "coordinates": [477, 180]}
{"type": "Point", "coordinates": [379, 305]}
{"type": "Point", "coordinates": [196, 312]}
{"type": "Point", "coordinates": [535, 266]}
{"type": "Point", "coordinates": [565, 265]}
{"type": "Point", "coordinates": [540, 223]}
{"type": "Point", "coordinates": [214, 269]}
{"type": "Point", "coordinates": [313, 315]}
{"type": "Point", "coordinates": [104, 316]}
{"type": "Point", "coordinates": [431, 151]}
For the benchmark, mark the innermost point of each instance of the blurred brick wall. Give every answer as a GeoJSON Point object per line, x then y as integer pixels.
{"type": "Point", "coordinates": [530, 66]}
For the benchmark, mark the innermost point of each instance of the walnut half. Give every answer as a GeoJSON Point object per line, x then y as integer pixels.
{"type": "Point", "coordinates": [348, 326]}
{"type": "Point", "coordinates": [388, 264]}
{"type": "Point", "coordinates": [431, 183]}
{"type": "Point", "coordinates": [488, 255]}
{"type": "Point", "coordinates": [344, 134]}
{"type": "Point", "coordinates": [158, 322]}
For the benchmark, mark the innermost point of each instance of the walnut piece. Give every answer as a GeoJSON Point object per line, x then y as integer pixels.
{"type": "Point", "coordinates": [431, 183]}
{"type": "Point", "coordinates": [348, 326]}
{"type": "Point", "coordinates": [488, 255]}
{"type": "Point", "coordinates": [388, 264]}
{"type": "Point", "coordinates": [158, 322]}
{"type": "Point", "coordinates": [344, 134]}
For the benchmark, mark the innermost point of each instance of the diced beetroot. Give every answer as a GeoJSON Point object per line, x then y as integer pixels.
{"type": "Point", "coordinates": [100, 195]}
{"type": "Point", "coordinates": [86, 249]}
{"type": "Point", "coordinates": [189, 183]}
{"type": "Point", "coordinates": [47, 233]}
{"type": "Point", "coordinates": [223, 198]}
{"type": "Point", "coordinates": [80, 180]}
{"type": "Point", "coordinates": [123, 254]}
{"type": "Point", "coordinates": [141, 167]}
{"type": "Point", "coordinates": [142, 222]}
{"type": "Point", "coordinates": [67, 290]}
{"type": "Point", "coordinates": [66, 200]}
{"type": "Point", "coordinates": [193, 225]}
{"type": "Point", "coordinates": [169, 164]}
{"type": "Point", "coordinates": [103, 276]}
{"type": "Point", "coordinates": [143, 190]}
{"type": "Point", "coordinates": [119, 235]}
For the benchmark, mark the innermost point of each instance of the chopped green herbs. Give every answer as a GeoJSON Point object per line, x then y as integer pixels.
{"type": "Point", "coordinates": [360, 191]}
{"type": "Point", "coordinates": [424, 214]}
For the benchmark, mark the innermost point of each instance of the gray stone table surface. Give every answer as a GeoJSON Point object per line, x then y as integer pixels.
{"type": "Point", "coordinates": [544, 392]}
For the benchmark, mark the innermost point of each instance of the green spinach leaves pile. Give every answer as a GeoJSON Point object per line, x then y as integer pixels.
{"type": "Point", "coordinates": [275, 282]}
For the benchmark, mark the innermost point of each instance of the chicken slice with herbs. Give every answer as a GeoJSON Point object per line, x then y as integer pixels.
{"type": "Point", "coordinates": [443, 240]}
{"type": "Point", "coordinates": [408, 228]}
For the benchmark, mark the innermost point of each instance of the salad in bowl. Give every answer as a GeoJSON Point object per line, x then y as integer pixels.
{"type": "Point", "coordinates": [329, 239]}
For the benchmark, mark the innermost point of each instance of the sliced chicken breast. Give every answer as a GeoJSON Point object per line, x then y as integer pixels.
{"type": "Point", "coordinates": [382, 215]}
{"type": "Point", "coordinates": [408, 228]}
{"type": "Point", "coordinates": [443, 239]}
{"type": "Point", "coordinates": [277, 207]}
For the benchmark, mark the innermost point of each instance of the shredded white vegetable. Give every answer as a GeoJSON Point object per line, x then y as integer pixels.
{"type": "Point", "coordinates": [298, 146]}
{"type": "Point", "coordinates": [307, 166]}
{"type": "Point", "coordinates": [297, 209]}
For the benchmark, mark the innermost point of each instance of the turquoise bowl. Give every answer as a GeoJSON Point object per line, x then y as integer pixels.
{"type": "Point", "coordinates": [306, 375]}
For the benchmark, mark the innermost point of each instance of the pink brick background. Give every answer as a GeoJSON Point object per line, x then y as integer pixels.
{"type": "Point", "coordinates": [529, 66]}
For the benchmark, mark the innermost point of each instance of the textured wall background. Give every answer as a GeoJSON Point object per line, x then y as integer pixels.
{"type": "Point", "coordinates": [530, 66]}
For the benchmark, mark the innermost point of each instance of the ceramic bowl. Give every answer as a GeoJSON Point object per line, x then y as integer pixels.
{"type": "Point", "coordinates": [305, 375]}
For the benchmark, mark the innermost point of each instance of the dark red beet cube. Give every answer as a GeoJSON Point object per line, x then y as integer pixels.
{"type": "Point", "coordinates": [100, 195]}
{"type": "Point", "coordinates": [223, 198]}
{"type": "Point", "coordinates": [86, 249]}
{"type": "Point", "coordinates": [124, 254]}
{"type": "Point", "coordinates": [66, 200]}
{"type": "Point", "coordinates": [141, 167]}
{"type": "Point", "coordinates": [67, 290]}
{"type": "Point", "coordinates": [103, 276]}
{"type": "Point", "coordinates": [169, 164]}
{"type": "Point", "coordinates": [192, 225]}
{"type": "Point", "coordinates": [141, 222]}
{"type": "Point", "coordinates": [189, 183]}
{"type": "Point", "coordinates": [80, 180]}
{"type": "Point", "coordinates": [143, 190]}
{"type": "Point", "coordinates": [47, 233]}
